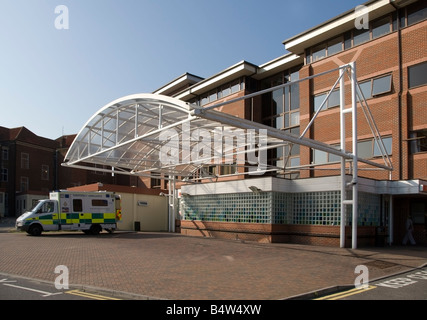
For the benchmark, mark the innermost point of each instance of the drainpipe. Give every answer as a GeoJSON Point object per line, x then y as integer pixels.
{"type": "Point", "coordinates": [399, 107]}
{"type": "Point", "coordinates": [399, 119]}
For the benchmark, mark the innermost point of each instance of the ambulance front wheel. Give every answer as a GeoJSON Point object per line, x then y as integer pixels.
{"type": "Point", "coordinates": [35, 230]}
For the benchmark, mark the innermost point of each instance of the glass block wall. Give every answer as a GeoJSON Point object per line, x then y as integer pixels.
{"type": "Point", "coordinates": [312, 208]}
{"type": "Point", "coordinates": [282, 208]}
{"type": "Point", "coordinates": [369, 209]}
{"type": "Point", "coordinates": [317, 208]}
{"type": "Point", "coordinates": [235, 207]}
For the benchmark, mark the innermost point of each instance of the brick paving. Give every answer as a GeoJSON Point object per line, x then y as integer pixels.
{"type": "Point", "coordinates": [174, 266]}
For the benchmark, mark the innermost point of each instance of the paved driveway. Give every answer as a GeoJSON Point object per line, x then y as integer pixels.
{"type": "Point", "coordinates": [173, 266]}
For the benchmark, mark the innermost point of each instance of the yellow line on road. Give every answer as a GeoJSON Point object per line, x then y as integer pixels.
{"type": "Point", "coordinates": [347, 293]}
{"type": "Point", "coordinates": [90, 295]}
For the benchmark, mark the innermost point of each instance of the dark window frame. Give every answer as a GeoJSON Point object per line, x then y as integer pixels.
{"type": "Point", "coordinates": [77, 205]}
{"type": "Point", "coordinates": [419, 72]}
{"type": "Point", "coordinates": [418, 141]}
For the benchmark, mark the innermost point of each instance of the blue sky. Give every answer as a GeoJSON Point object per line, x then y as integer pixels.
{"type": "Point", "coordinates": [52, 81]}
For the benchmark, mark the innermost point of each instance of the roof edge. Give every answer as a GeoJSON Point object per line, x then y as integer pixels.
{"type": "Point", "coordinates": [348, 12]}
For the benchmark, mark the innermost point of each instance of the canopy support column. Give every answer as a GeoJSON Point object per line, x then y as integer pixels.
{"type": "Point", "coordinates": [342, 146]}
{"type": "Point", "coordinates": [171, 203]}
{"type": "Point", "coordinates": [354, 181]}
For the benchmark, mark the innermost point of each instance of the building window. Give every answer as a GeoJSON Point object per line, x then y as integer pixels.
{"type": "Point", "coordinates": [376, 86]}
{"type": "Point", "coordinates": [361, 36]}
{"type": "Point", "coordinates": [287, 157]}
{"type": "Point", "coordinates": [324, 50]}
{"type": "Point", "coordinates": [284, 103]}
{"type": "Point", "coordinates": [320, 157]}
{"type": "Point", "coordinates": [333, 100]}
{"type": "Point", "coordinates": [347, 40]}
{"type": "Point", "coordinates": [369, 148]}
{"type": "Point", "coordinates": [278, 101]}
{"type": "Point", "coordinates": [334, 46]}
{"type": "Point", "coordinates": [395, 21]}
{"type": "Point", "coordinates": [380, 27]}
{"type": "Point", "coordinates": [228, 169]}
{"type": "Point", "coordinates": [369, 88]}
{"type": "Point", "coordinates": [387, 145]}
{"type": "Point", "coordinates": [281, 110]}
{"type": "Point", "coordinates": [45, 172]}
{"type": "Point", "coordinates": [221, 92]}
{"type": "Point", "coordinates": [418, 141]}
{"type": "Point", "coordinates": [410, 15]}
{"type": "Point", "coordinates": [4, 175]}
{"type": "Point", "coordinates": [381, 85]}
{"type": "Point", "coordinates": [155, 180]}
{"type": "Point", "coordinates": [416, 12]}
{"type": "Point", "coordinates": [307, 56]}
{"type": "Point", "coordinates": [319, 52]}
{"type": "Point", "coordinates": [235, 86]}
{"type": "Point", "coordinates": [25, 160]}
{"type": "Point", "coordinates": [24, 184]}
{"type": "Point", "coordinates": [5, 153]}
{"type": "Point", "coordinates": [417, 75]}
{"type": "Point", "coordinates": [366, 89]}
{"type": "Point", "coordinates": [366, 149]}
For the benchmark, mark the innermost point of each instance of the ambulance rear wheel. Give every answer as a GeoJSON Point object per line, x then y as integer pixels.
{"type": "Point", "coordinates": [35, 230]}
{"type": "Point", "coordinates": [95, 229]}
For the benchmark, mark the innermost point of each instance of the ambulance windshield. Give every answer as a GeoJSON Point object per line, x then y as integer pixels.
{"type": "Point", "coordinates": [43, 206]}
{"type": "Point", "coordinates": [37, 207]}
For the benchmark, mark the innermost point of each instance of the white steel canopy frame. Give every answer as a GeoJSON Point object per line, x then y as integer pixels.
{"type": "Point", "coordinates": [146, 134]}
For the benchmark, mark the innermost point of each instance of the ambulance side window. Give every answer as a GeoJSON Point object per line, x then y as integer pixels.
{"type": "Point", "coordinates": [50, 207]}
{"type": "Point", "coordinates": [99, 203]}
{"type": "Point", "coordinates": [77, 205]}
{"type": "Point", "coordinates": [47, 207]}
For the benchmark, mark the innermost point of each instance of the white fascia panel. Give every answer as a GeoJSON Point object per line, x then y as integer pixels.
{"type": "Point", "coordinates": [265, 184]}
{"type": "Point", "coordinates": [176, 83]}
{"type": "Point", "coordinates": [237, 186]}
{"type": "Point", "coordinates": [298, 44]}
{"type": "Point", "coordinates": [277, 65]}
{"type": "Point", "coordinates": [240, 69]}
{"type": "Point", "coordinates": [404, 187]}
{"type": "Point", "coordinates": [316, 184]}
{"type": "Point", "coordinates": [333, 183]}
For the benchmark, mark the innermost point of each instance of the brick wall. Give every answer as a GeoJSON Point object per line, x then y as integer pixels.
{"type": "Point", "coordinates": [300, 234]}
{"type": "Point", "coordinates": [373, 58]}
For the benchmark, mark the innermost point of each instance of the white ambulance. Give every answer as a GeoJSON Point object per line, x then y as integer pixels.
{"type": "Point", "coordinates": [89, 212]}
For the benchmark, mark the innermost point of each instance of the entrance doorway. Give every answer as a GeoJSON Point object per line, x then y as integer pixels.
{"type": "Point", "coordinates": [416, 207]}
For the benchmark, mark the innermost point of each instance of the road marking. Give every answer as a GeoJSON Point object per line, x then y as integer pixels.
{"type": "Point", "coordinates": [44, 293]}
{"type": "Point", "coordinates": [90, 295]}
{"type": "Point", "coordinates": [5, 280]}
{"type": "Point", "coordinates": [347, 293]}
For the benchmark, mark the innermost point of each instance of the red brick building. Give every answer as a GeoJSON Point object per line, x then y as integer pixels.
{"type": "Point", "coordinates": [31, 168]}
{"type": "Point", "coordinates": [301, 202]}
{"type": "Point", "coordinates": [28, 169]}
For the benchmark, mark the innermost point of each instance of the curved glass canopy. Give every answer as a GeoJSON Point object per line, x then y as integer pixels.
{"type": "Point", "coordinates": [146, 134]}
